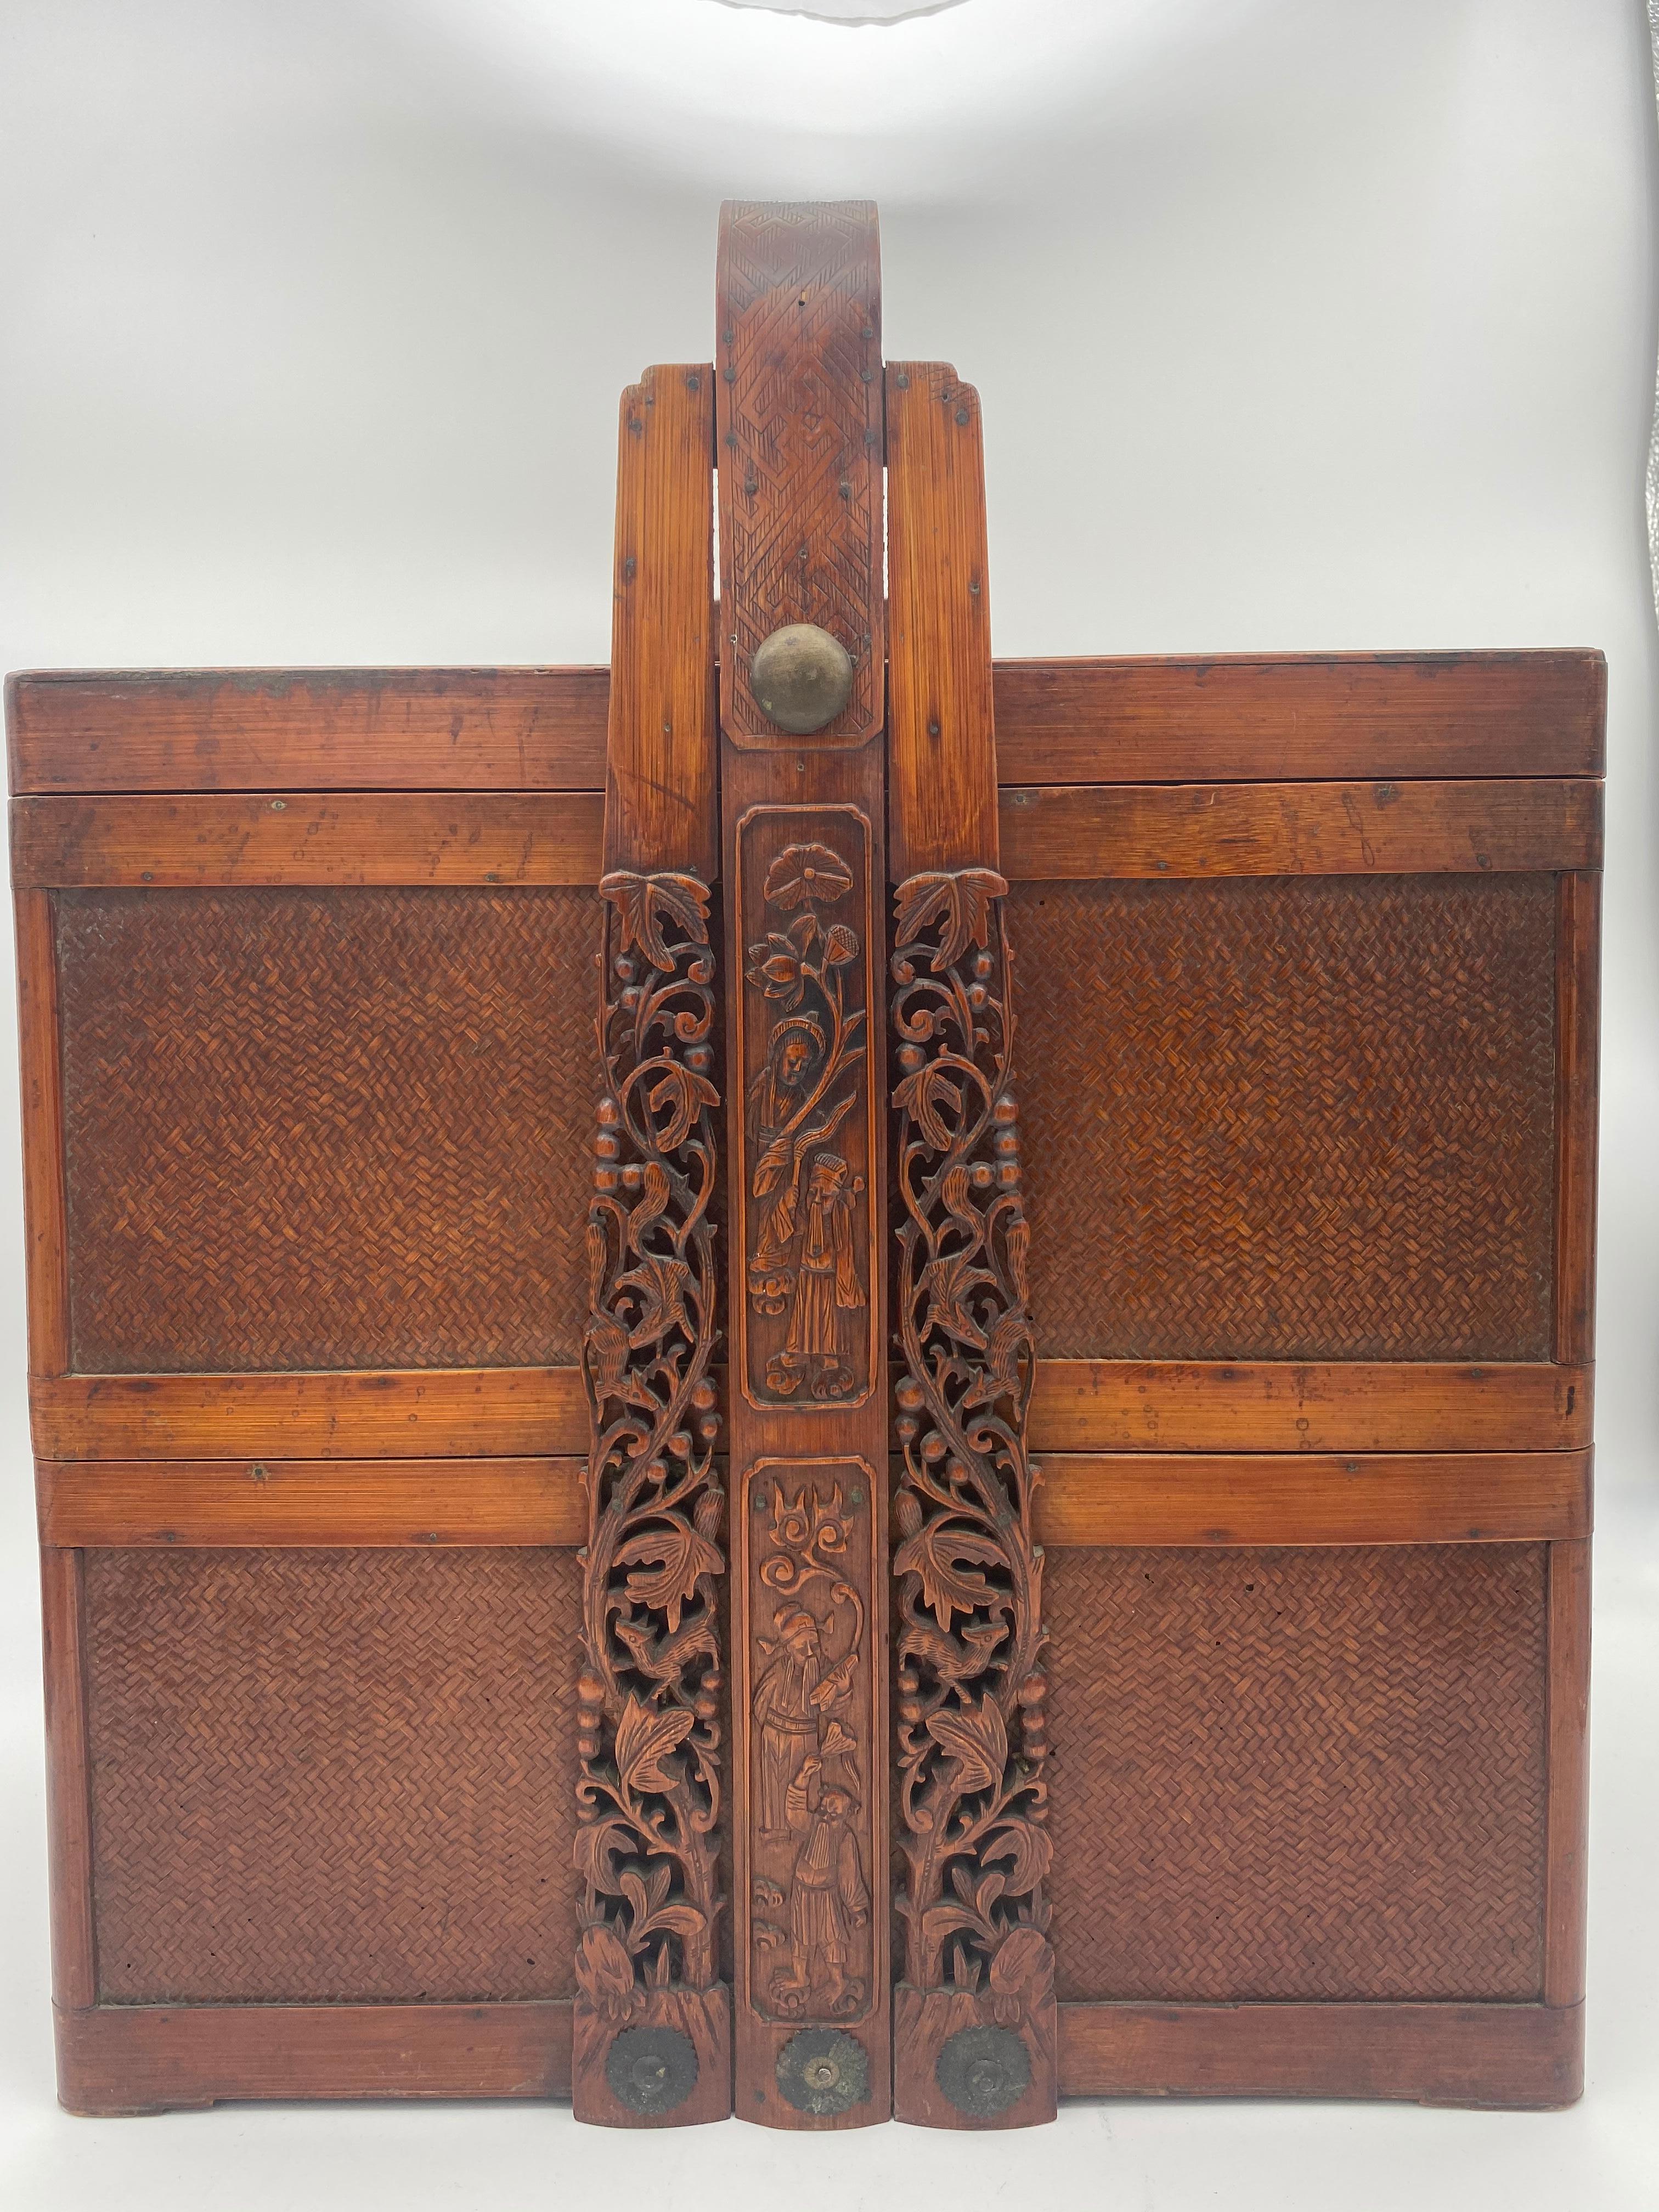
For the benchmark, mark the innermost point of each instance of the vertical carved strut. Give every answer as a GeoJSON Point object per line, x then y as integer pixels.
{"type": "Point", "coordinates": [802, 791]}
{"type": "Point", "coordinates": [974, 2021]}
{"type": "Point", "coordinates": [651, 2033]}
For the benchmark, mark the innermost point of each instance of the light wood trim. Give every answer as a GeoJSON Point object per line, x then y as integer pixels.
{"type": "Point", "coordinates": [1523, 2054]}
{"type": "Point", "coordinates": [1279, 1406]}
{"type": "Point", "coordinates": [308, 729]}
{"type": "Point", "coordinates": [941, 747]}
{"type": "Point", "coordinates": [197, 843]}
{"type": "Point", "coordinates": [46, 1221]}
{"type": "Point", "coordinates": [69, 1806]}
{"type": "Point", "coordinates": [1256, 717]}
{"type": "Point", "coordinates": [1577, 1019]}
{"type": "Point", "coordinates": [166, 1502]}
{"type": "Point", "coordinates": [1065, 832]}
{"type": "Point", "coordinates": [151, 2059]}
{"type": "Point", "coordinates": [662, 808]}
{"type": "Point", "coordinates": [1240, 1497]}
{"type": "Point", "coordinates": [476, 1412]}
{"type": "Point", "coordinates": [1567, 1844]}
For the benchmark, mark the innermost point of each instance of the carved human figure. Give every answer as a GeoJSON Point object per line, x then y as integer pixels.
{"type": "Point", "coordinates": [828, 1897]}
{"type": "Point", "coordinates": [787, 1712]}
{"type": "Point", "coordinates": [826, 1289]}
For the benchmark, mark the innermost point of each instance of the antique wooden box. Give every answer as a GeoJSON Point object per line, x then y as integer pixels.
{"type": "Point", "coordinates": [816, 1378]}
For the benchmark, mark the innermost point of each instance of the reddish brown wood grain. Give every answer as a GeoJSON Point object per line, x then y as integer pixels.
{"type": "Point", "coordinates": [68, 1809]}
{"type": "Point", "coordinates": [165, 1502]}
{"type": "Point", "coordinates": [46, 1231]}
{"type": "Point", "coordinates": [1252, 717]}
{"type": "Point", "coordinates": [1059, 831]}
{"type": "Point", "coordinates": [441, 1413]}
{"type": "Point", "coordinates": [1498, 2054]}
{"type": "Point", "coordinates": [1337, 1406]}
{"type": "Point", "coordinates": [661, 807]}
{"type": "Point", "coordinates": [319, 729]}
{"type": "Point", "coordinates": [1567, 1865]}
{"type": "Point", "coordinates": [1247, 718]}
{"type": "Point", "coordinates": [1251, 1498]}
{"type": "Point", "coordinates": [941, 748]}
{"type": "Point", "coordinates": [352, 838]}
{"type": "Point", "coordinates": [149, 2058]}
{"type": "Point", "coordinates": [1577, 1017]}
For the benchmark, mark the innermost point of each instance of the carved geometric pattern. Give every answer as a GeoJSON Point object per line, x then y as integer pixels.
{"type": "Point", "coordinates": [326, 1129]}
{"type": "Point", "coordinates": [799, 447]}
{"type": "Point", "coordinates": [332, 1775]}
{"type": "Point", "coordinates": [1299, 1774]}
{"type": "Point", "coordinates": [1293, 1119]}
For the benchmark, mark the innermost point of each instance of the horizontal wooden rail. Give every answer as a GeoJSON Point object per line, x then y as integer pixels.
{"type": "Point", "coordinates": [441, 1413]}
{"type": "Point", "coordinates": [1172, 1498]}
{"type": "Point", "coordinates": [329, 729]}
{"type": "Point", "coordinates": [166, 1502]}
{"type": "Point", "coordinates": [208, 842]}
{"type": "Point", "coordinates": [138, 2058]}
{"type": "Point", "coordinates": [1501, 2055]}
{"type": "Point", "coordinates": [1060, 831]}
{"type": "Point", "coordinates": [1248, 717]}
{"type": "Point", "coordinates": [1078, 1406]}
{"type": "Point", "coordinates": [1282, 1406]}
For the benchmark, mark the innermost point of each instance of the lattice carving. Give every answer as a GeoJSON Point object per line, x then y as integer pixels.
{"type": "Point", "coordinates": [973, 1796]}
{"type": "Point", "coordinates": [648, 1798]}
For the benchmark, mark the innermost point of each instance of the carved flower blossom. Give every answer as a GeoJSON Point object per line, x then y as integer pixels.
{"type": "Point", "coordinates": [805, 874]}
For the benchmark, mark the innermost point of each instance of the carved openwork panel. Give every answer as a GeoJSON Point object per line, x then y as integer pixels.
{"type": "Point", "coordinates": [810, 1708]}
{"type": "Point", "coordinates": [805, 918]}
{"type": "Point", "coordinates": [972, 1790]}
{"type": "Point", "coordinates": [649, 1800]}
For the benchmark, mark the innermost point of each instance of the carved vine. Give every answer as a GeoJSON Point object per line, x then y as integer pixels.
{"type": "Point", "coordinates": [803, 1220]}
{"type": "Point", "coordinates": [648, 1794]}
{"type": "Point", "coordinates": [971, 1734]}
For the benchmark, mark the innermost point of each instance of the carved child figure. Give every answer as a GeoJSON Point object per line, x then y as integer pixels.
{"type": "Point", "coordinates": [827, 1897]}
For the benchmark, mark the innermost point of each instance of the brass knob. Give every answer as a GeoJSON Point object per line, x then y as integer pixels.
{"type": "Point", "coordinates": [801, 678]}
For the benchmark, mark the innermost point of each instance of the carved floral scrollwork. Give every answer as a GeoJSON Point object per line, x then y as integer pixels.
{"type": "Point", "coordinates": [649, 1720]}
{"type": "Point", "coordinates": [971, 1735]}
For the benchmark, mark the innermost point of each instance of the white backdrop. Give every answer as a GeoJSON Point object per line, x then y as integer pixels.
{"type": "Point", "coordinates": [1298, 324]}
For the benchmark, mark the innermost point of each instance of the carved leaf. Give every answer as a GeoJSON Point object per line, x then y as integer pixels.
{"type": "Point", "coordinates": [976, 1735]}
{"type": "Point", "coordinates": [807, 873]}
{"type": "Point", "coordinates": [922, 1095]}
{"type": "Point", "coordinates": [935, 1556]}
{"type": "Point", "coordinates": [681, 1093]}
{"type": "Point", "coordinates": [646, 1734]}
{"type": "Point", "coordinates": [643, 903]}
{"type": "Point", "coordinates": [959, 905]}
{"type": "Point", "coordinates": [605, 1973]}
{"type": "Point", "coordinates": [654, 1202]}
{"type": "Point", "coordinates": [676, 1556]}
{"type": "Point", "coordinates": [599, 1844]}
{"type": "Point", "coordinates": [1027, 1849]}
{"type": "Point", "coordinates": [1022, 1974]}
{"type": "Point", "coordinates": [660, 1284]}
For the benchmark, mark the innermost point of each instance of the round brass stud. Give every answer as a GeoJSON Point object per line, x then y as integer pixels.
{"type": "Point", "coordinates": [801, 678]}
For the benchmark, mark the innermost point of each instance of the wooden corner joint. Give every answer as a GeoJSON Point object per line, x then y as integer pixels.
{"type": "Point", "coordinates": [974, 2027]}
{"type": "Point", "coordinates": [651, 2030]}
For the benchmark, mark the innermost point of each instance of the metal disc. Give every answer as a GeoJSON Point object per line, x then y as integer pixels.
{"type": "Point", "coordinates": [824, 2069]}
{"type": "Point", "coordinates": [983, 2070]}
{"type": "Point", "coordinates": [801, 677]}
{"type": "Point", "coordinates": [652, 2070]}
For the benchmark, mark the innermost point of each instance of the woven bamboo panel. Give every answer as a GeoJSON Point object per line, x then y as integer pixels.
{"type": "Point", "coordinates": [1299, 1774]}
{"type": "Point", "coordinates": [326, 1129]}
{"type": "Point", "coordinates": [332, 1775]}
{"type": "Point", "coordinates": [1289, 1119]}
